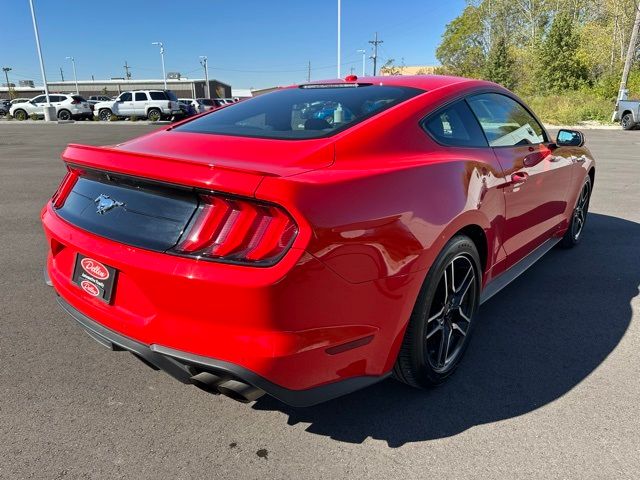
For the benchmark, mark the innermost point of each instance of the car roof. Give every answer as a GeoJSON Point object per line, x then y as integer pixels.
{"type": "Point", "coordinates": [423, 82]}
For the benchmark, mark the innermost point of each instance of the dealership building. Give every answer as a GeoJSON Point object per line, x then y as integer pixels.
{"type": "Point", "coordinates": [182, 87]}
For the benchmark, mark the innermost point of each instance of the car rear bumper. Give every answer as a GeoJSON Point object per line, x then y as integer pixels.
{"type": "Point", "coordinates": [293, 327]}
{"type": "Point", "coordinates": [183, 366]}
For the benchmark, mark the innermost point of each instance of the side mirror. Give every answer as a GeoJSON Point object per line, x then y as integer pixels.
{"type": "Point", "coordinates": [569, 138]}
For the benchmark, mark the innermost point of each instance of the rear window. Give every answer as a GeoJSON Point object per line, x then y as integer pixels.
{"type": "Point", "coordinates": [301, 113]}
{"type": "Point", "coordinates": [78, 98]}
{"type": "Point", "coordinates": [158, 96]}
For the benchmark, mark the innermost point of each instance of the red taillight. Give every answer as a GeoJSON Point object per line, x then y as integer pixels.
{"type": "Point", "coordinates": [65, 188]}
{"type": "Point", "coordinates": [238, 230]}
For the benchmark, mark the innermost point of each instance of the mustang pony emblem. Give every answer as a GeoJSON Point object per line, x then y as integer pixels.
{"type": "Point", "coordinates": [105, 203]}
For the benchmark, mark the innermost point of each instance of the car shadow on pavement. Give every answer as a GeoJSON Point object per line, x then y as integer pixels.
{"type": "Point", "coordinates": [538, 338]}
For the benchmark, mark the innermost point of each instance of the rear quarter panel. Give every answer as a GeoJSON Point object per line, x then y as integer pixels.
{"type": "Point", "coordinates": [394, 197]}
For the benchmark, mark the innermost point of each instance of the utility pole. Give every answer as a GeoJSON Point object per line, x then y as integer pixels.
{"type": "Point", "coordinates": [633, 42]}
{"type": "Point", "coordinates": [61, 74]}
{"type": "Point", "coordinates": [309, 72]}
{"type": "Point", "coordinates": [127, 74]}
{"type": "Point", "coordinates": [204, 62]}
{"type": "Point", "coordinates": [6, 71]}
{"type": "Point", "coordinates": [374, 57]}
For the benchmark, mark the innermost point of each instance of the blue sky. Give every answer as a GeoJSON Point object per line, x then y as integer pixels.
{"type": "Point", "coordinates": [248, 43]}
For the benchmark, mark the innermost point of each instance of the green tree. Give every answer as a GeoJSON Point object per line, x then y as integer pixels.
{"type": "Point", "coordinates": [461, 51]}
{"type": "Point", "coordinates": [499, 67]}
{"type": "Point", "coordinates": [561, 67]}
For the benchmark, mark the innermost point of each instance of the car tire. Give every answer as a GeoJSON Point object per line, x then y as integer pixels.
{"type": "Point", "coordinates": [626, 122]}
{"type": "Point", "coordinates": [20, 115]}
{"type": "Point", "coordinates": [443, 317]}
{"type": "Point", "coordinates": [154, 115]}
{"type": "Point", "coordinates": [64, 115]}
{"type": "Point", "coordinates": [578, 217]}
{"type": "Point", "coordinates": [105, 114]}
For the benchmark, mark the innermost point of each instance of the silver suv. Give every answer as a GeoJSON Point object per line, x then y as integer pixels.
{"type": "Point", "coordinates": [153, 104]}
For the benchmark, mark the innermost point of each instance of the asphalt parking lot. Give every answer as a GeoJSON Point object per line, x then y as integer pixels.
{"type": "Point", "coordinates": [549, 387]}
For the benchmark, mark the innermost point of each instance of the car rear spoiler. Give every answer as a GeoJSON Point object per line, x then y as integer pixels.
{"type": "Point", "coordinates": [172, 170]}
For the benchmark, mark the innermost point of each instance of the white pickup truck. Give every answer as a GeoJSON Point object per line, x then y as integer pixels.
{"type": "Point", "coordinates": [152, 104]}
{"type": "Point", "coordinates": [628, 114]}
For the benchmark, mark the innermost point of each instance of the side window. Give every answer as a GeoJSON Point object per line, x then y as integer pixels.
{"type": "Point", "coordinates": [126, 97]}
{"type": "Point", "coordinates": [57, 98]}
{"type": "Point", "coordinates": [455, 125]}
{"type": "Point", "coordinates": [141, 97]}
{"type": "Point", "coordinates": [505, 122]}
{"type": "Point", "coordinates": [40, 99]}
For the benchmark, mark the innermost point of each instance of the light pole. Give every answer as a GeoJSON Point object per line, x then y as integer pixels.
{"type": "Point", "coordinates": [364, 56]}
{"type": "Point", "coordinates": [75, 77]}
{"type": "Point", "coordinates": [6, 71]}
{"type": "Point", "coordinates": [164, 74]}
{"type": "Point", "coordinates": [49, 111]}
{"type": "Point", "coordinates": [339, 32]}
{"type": "Point", "coordinates": [203, 62]}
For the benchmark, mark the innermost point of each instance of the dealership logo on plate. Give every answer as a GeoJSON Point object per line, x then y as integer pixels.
{"type": "Point", "coordinates": [90, 288]}
{"type": "Point", "coordinates": [95, 269]}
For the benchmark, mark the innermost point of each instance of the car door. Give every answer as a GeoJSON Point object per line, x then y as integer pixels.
{"type": "Point", "coordinates": [124, 104]}
{"type": "Point", "coordinates": [536, 195]}
{"type": "Point", "coordinates": [36, 105]}
{"type": "Point", "coordinates": [140, 103]}
{"type": "Point", "coordinates": [455, 128]}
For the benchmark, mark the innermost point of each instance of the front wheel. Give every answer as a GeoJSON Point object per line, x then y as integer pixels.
{"type": "Point", "coordinates": [627, 122]}
{"type": "Point", "coordinates": [579, 216]}
{"type": "Point", "coordinates": [105, 114]}
{"type": "Point", "coordinates": [443, 318]}
{"type": "Point", "coordinates": [20, 115]}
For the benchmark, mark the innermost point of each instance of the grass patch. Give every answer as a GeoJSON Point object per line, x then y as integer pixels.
{"type": "Point", "coordinates": [571, 108]}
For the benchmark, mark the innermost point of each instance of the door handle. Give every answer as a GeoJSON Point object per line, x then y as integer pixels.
{"type": "Point", "coordinates": [519, 177]}
{"type": "Point", "coordinates": [535, 158]}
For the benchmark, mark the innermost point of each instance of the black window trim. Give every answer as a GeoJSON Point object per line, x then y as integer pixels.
{"type": "Point", "coordinates": [479, 91]}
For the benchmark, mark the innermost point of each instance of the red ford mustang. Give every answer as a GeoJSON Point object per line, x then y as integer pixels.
{"type": "Point", "coordinates": [317, 239]}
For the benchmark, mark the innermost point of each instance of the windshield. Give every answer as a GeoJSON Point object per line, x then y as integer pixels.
{"type": "Point", "coordinates": [301, 113]}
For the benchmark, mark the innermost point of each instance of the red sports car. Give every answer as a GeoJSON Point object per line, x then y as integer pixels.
{"type": "Point", "coordinates": [260, 248]}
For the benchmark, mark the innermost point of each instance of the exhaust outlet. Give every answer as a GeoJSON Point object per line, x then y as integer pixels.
{"type": "Point", "coordinates": [240, 391]}
{"type": "Point", "coordinates": [207, 381]}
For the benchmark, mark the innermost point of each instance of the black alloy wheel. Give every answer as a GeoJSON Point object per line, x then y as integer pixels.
{"type": "Point", "coordinates": [443, 317]}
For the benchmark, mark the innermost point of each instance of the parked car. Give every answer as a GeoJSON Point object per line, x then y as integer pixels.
{"type": "Point", "coordinates": [5, 105]}
{"type": "Point", "coordinates": [97, 99]}
{"type": "Point", "coordinates": [187, 109]}
{"type": "Point", "coordinates": [67, 107]}
{"type": "Point", "coordinates": [153, 104]}
{"type": "Point", "coordinates": [207, 104]}
{"type": "Point", "coordinates": [19, 100]}
{"type": "Point", "coordinates": [244, 252]}
{"type": "Point", "coordinates": [628, 114]}
{"type": "Point", "coordinates": [197, 106]}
